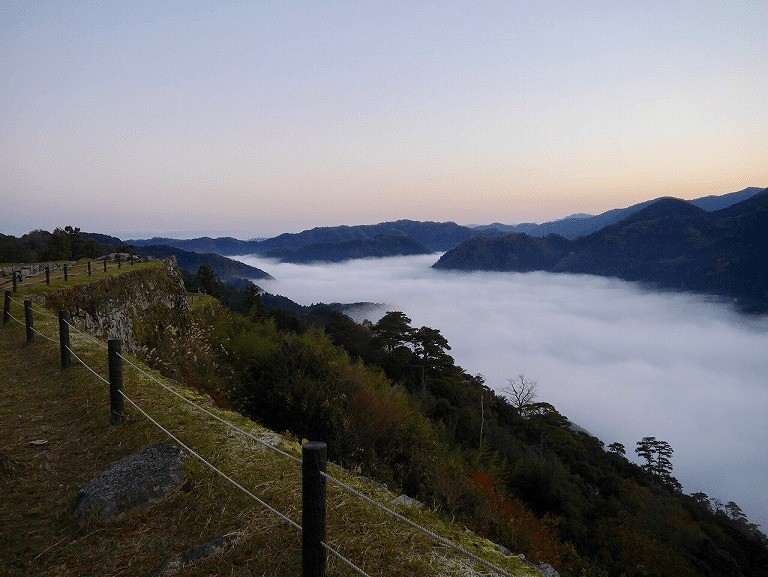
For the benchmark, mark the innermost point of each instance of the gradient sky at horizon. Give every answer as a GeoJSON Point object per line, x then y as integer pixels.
{"type": "Point", "coordinates": [259, 118]}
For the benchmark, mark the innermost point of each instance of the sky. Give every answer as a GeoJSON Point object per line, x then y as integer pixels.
{"type": "Point", "coordinates": [620, 361]}
{"type": "Point", "coordinates": [256, 118]}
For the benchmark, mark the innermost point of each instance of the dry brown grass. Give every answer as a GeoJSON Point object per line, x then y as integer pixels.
{"type": "Point", "coordinates": [70, 410]}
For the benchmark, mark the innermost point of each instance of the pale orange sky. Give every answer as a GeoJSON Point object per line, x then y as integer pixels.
{"type": "Point", "coordinates": [257, 120]}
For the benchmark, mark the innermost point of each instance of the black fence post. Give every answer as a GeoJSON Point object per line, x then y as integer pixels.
{"type": "Point", "coordinates": [7, 308]}
{"type": "Point", "coordinates": [29, 321]}
{"type": "Point", "coordinates": [89, 268]}
{"type": "Point", "coordinates": [66, 359]}
{"type": "Point", "coordinates": [119, 261]}
{"type": "Point", "coordinates": [47, 275]}
{"type": "Point", "coordinates": [314, 457]}
{"type": "Point", "coordinates": [105, 264]}
{"type": "Point", "coordinates": [116, 410]}
{"type": "Point", "coordinates": [131, 259]}
{"type": "Point", "coordinates": [66, 274]}
{"type": "Point", "coordinates": [15, 280]}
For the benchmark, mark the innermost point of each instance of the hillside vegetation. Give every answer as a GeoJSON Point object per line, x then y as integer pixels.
{"type": "Point", "coordinates": [56, 436]}
{"type": "Point", "coordinates": [389, 400]}
{"type": "Point", "coordinates": [392, 404]}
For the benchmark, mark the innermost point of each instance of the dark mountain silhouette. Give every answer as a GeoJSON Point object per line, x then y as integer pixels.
{"type": "Point", "coordinates": [435, 236]}
{"type": "Point", "coordinates": [226, 269]}
{"type": "Point", "coordinates": [225, 245]}
{"type": "Point", "coordinates": [380, 246]}
{"type": "Point", "coordinates": [670, 243]}
{"type": "Point", "coordinates": [578, 225]}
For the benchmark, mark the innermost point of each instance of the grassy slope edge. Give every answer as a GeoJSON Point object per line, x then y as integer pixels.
{"type": "Point", "coordinates": [69, 409]}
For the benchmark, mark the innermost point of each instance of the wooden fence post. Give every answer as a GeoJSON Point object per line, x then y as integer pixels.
{"type": "Point", "coordinates": [105, 263]}
{"type": "Point", "coordinates": [89, 268]}
{"type": "Point", "coordinates": [116, 410]}
{"type": "Point", "coordinates": [15, 280]}
{"type": "Point", "coordinates": [66, 273]}
{"type": "Point", "coordinates": [314, 457]}
{"type": "Point", "coordinates": [66, 359]}
{"type": "Point", "coordinates": [119, 261]}
{"type": "Point", "coordinates": [29, 321]}
{"type": "Point", "coordinates": [7, 308]}
{"type": "Point", "coordinates": [47, 274]}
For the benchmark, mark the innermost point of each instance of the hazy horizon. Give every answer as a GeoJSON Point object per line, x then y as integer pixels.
{"type": "Point", "coordinates": [140, 234]}
{"type": "Point", "coordinates": [276, 117]}
{"type": "Point", "coordinates": [619, 360]}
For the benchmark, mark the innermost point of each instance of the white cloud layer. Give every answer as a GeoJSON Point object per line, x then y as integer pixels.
{"type": "Point", "coordinates": [618, 360]}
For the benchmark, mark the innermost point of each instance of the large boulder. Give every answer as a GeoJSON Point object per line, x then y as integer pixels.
{"type": "Point", "coordinates": [133, 482]}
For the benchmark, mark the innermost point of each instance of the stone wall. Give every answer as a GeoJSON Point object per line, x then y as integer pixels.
{"type": "Point", "coordinates": [136, 307]}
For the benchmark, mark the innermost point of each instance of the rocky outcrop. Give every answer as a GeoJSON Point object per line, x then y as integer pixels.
{"type": "Point", "coordinates": [133, 482]}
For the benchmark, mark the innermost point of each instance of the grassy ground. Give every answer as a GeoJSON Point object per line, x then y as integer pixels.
{"type": "Point", "coordinates": [69, 410]}
{"type": "Point", "coordinates": [77, 274]}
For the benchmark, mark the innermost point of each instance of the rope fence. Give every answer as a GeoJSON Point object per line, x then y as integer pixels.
{"type": "Point", "coordinates": [66, 270]}
{"type": "Point", "coordinates": [209, 465]}
{"type": "Point", "coordinates": [313, 461]}
{"type": "Point", "coordinates": [212, 415]}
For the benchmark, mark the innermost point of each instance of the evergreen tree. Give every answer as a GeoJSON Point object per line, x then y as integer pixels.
{"type": "Point", "coordinates": [658, 460]}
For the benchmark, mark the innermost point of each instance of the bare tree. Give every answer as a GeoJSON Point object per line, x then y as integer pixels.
{"type": "Point", "coordinates": [520, 392]}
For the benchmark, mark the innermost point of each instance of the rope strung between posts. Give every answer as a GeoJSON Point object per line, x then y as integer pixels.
{"type": "Point", "coordinates": [209, 413]}
{"type": "Point", "coordinates": [189, 450]}
{"type": "Point", "coordinates": [44, 313]}
{"type": "Point", "coordinates": [26, 281]}
{"type": "Point", "coordinates": [82, 362]}
{"type": "Point", "coordinates": [45, 336]}
{"type": "Point", "coordinates": [343, 559]}
{"type": "Point", "coordinates": [210, 466]}
{"type": "Point", "coordinates": [22, 323]}
{"type": "Point", "coordinates": [435, 537]}
{"type": "Point", "coordinates": [413, 524]}
{"type": "Point", "coordinates": [33, 328]}
{"type": "Point", "coordinates": [87, 337]}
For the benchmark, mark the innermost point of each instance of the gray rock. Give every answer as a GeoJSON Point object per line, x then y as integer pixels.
{"type": "Point", "coordinates": [548, 571]}
{"type": "Point", "coordinates": [133, 482]}
{"type": "Point", "coordinates": [407, 501]}
{"type": "Point", "coordinates": [198, 552]}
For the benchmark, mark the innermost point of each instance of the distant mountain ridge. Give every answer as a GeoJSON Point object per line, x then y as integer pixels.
{"type": "Point", "coordinates": [226, 246]}
{"type": "Point", "coordinates": [578, 225]}
{"type": "Point", "coordinates": [435, 236]}
{"type": "Point", "coordinates": [377, 247]}
{"type": "Point", "coordinates": [669, 242]}
{"type": "Point", "coordinates": [225, 268]}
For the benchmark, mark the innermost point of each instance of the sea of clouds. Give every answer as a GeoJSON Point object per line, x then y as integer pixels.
{"type": "Point", "coordinates": [617, 359]}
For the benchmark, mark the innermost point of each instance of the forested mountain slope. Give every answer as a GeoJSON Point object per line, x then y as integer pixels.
{"type": "Point", "coordinates": [584, 224]}
{"type": "Point", "coordinates": [377, 247]}
{"type": "Point", "coordinates": [669, 243]}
